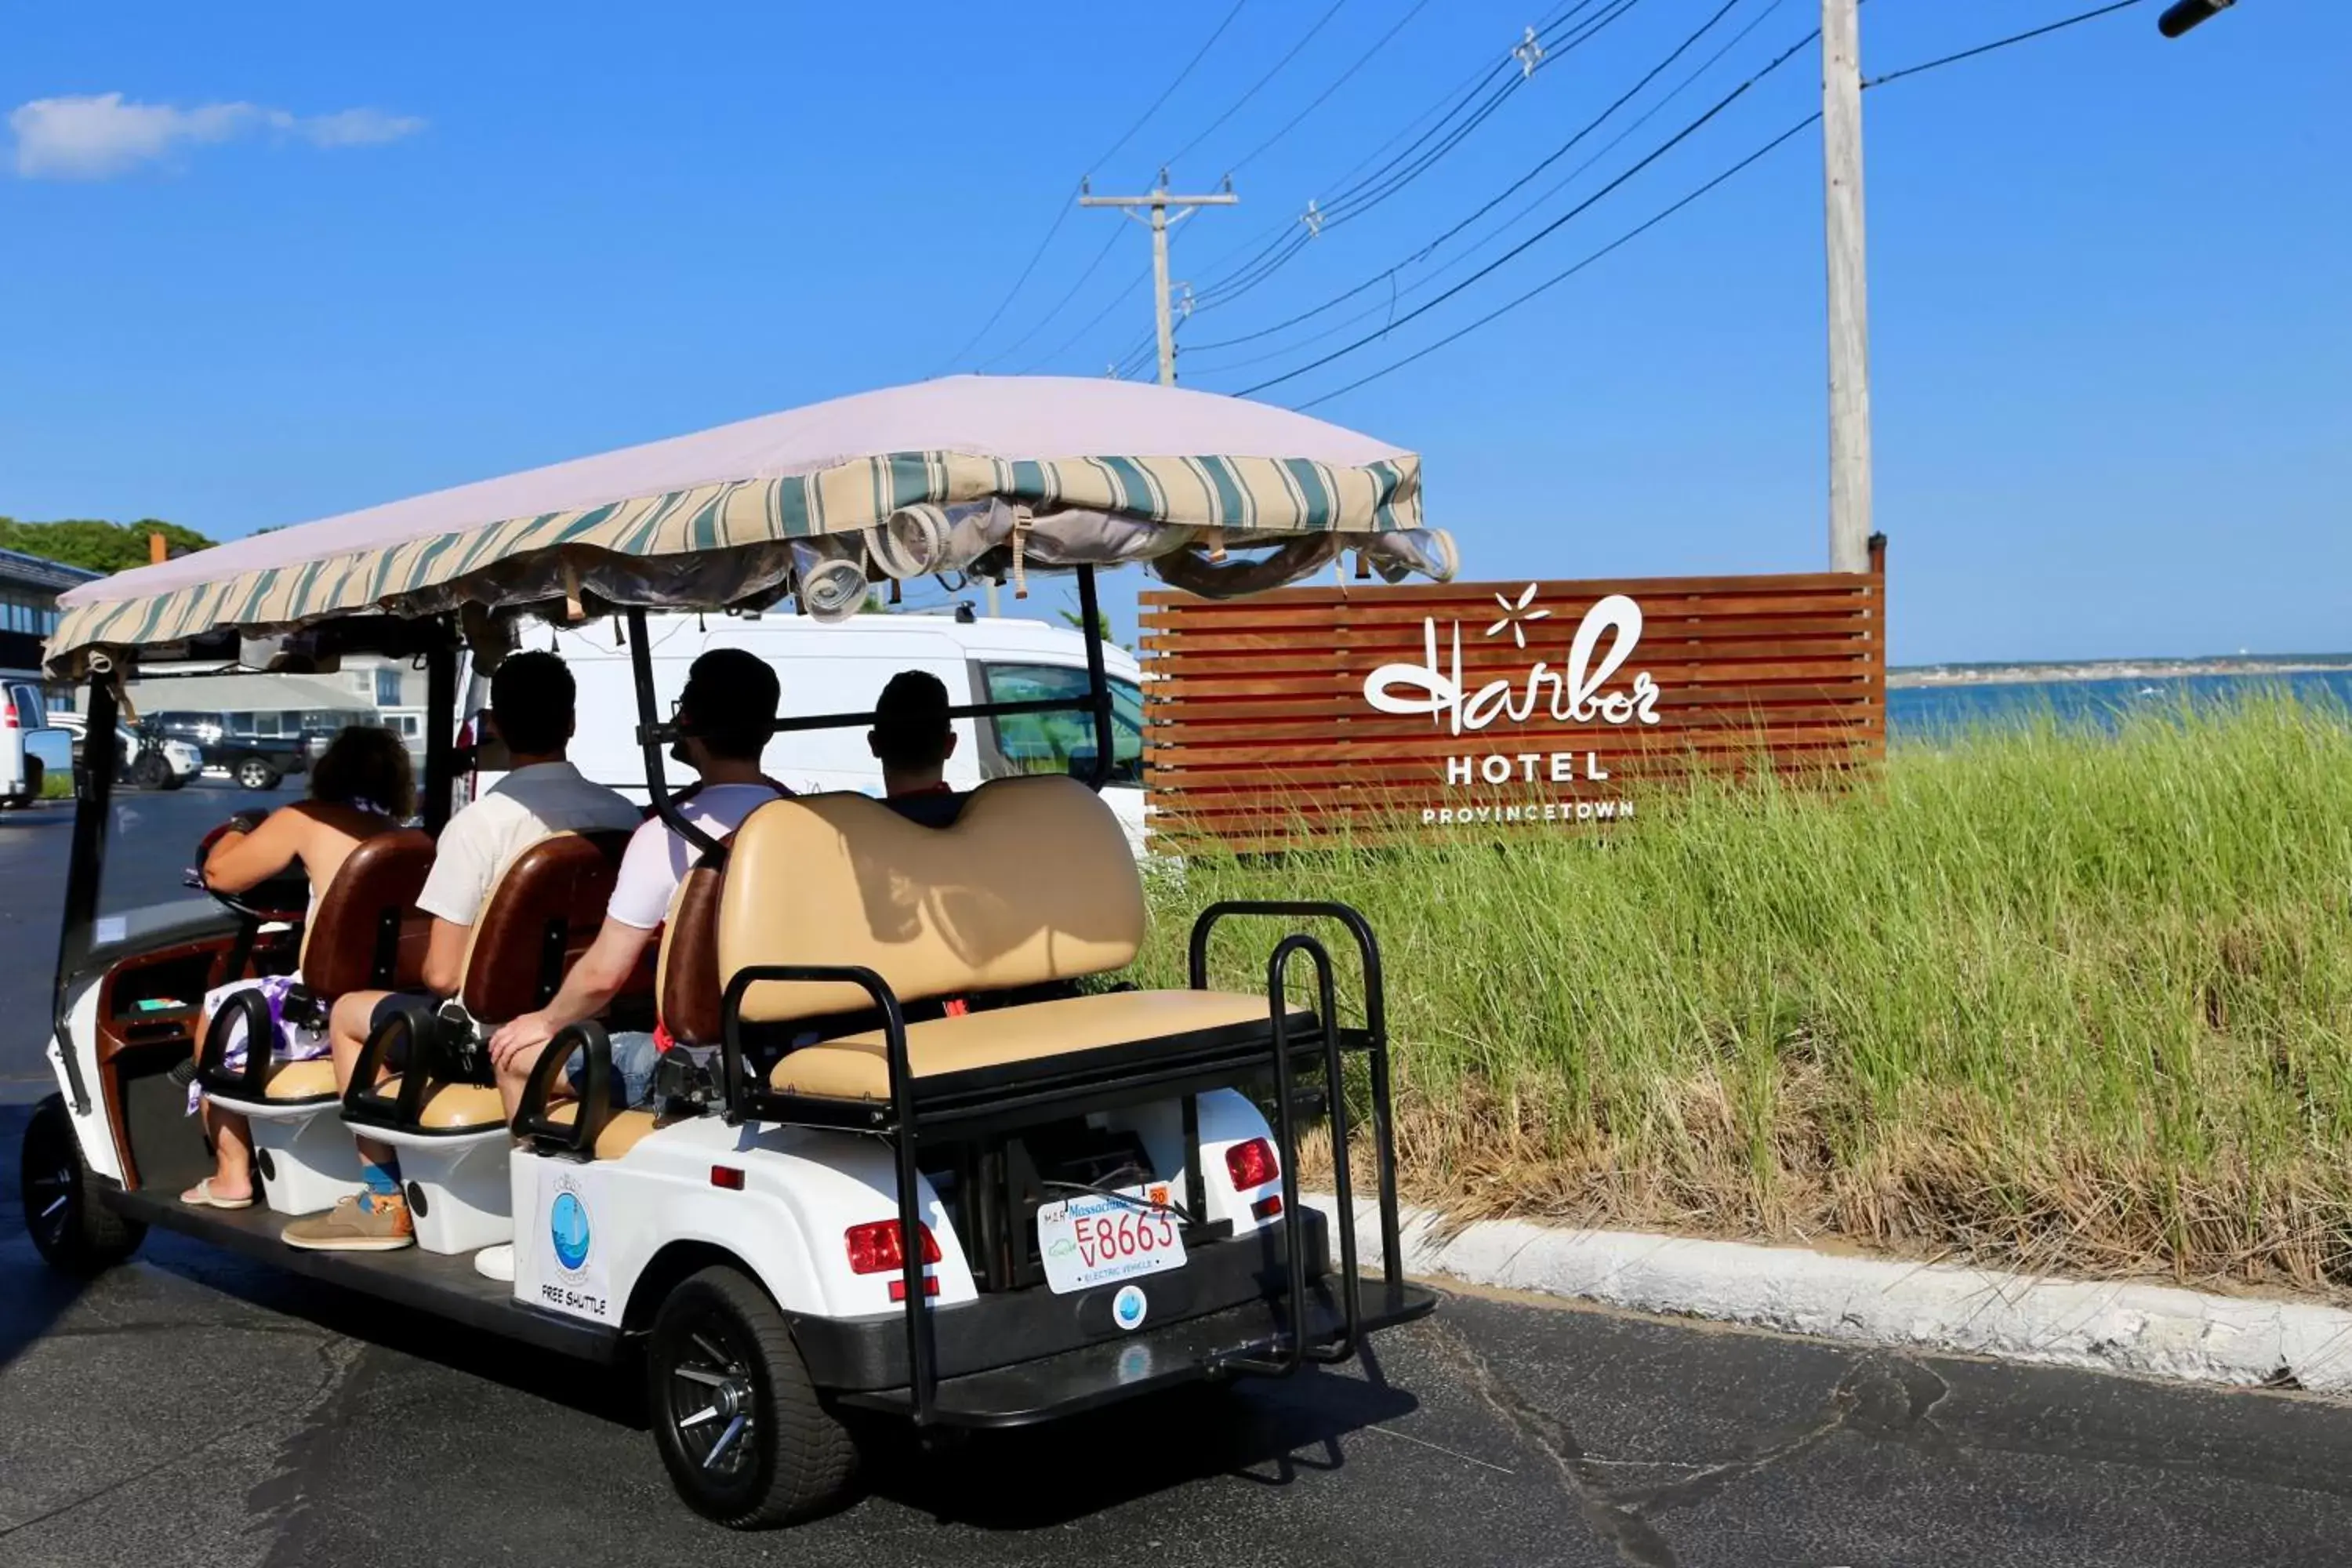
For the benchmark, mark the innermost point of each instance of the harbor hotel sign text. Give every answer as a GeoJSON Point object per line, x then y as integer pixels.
{"type": "Point", "coordinates": [1475, 705]}
{"type": "Point", "coordinates": [1578, 693]}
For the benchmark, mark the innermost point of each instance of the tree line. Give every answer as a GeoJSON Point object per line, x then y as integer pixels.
{"type": "Point", "coordinates": [96, 545]}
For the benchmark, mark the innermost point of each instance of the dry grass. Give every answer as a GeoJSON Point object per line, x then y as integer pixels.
{"type": "Point", "coordinates": [2042, 998]}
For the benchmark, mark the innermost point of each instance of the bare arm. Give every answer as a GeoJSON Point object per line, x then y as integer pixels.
{"type": "Point", "coordinates": [591, 986]}
{"type": "Point", "coordinates": [242, 860]}
{"type": "Point", "coordinates": [444, 957]}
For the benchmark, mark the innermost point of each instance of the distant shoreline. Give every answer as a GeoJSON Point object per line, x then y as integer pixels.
{"type": "Point", "coordinates": [1920, 675]}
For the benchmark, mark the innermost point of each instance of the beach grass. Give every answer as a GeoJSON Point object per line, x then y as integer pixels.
{"type": "Point", "coordinates": [2040, 996]}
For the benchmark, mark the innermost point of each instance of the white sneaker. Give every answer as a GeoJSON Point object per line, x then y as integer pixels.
{"type": "Point", "coordinates": [495, 1262]}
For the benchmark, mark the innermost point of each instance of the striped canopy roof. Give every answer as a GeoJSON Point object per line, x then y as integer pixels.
{"type": "Point", "coordinates": [639, 525]}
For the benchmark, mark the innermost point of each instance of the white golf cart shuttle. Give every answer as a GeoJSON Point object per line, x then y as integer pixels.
{"type": "Point", "coordinates": [920, 1151]}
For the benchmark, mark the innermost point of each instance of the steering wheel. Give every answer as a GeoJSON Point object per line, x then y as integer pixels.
{"type": "Point", "coordinates": [285, 897]}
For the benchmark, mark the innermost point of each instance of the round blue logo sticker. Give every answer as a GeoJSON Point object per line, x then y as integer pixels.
{"type": "Point", "coordinates": [1128, 1307]}
{"type": "Point", "coordinates": [567, 1226]}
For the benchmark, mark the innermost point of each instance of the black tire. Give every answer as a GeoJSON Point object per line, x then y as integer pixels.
{"type": "Point", "coordinates": [253, 772]}
{"type": "Point", "coordinates": [73, 1228]}
{"type": "Point", "coordinates": [151, 771]}
{"type": "Point", "coordinates": [718, 1345]}
{"type": "Point", "coordinates": [175, 780]}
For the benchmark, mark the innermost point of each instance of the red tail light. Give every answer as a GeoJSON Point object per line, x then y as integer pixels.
{"type": "Point", "coordinates": [1252, 1165]}
{"type": "Point", "coordinates": [874, 1246]}
{"type": "Point", "coordinates": [8, 713]}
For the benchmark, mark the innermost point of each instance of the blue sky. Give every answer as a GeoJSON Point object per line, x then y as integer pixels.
{"type": "Point", "coordinates": [318, 256]}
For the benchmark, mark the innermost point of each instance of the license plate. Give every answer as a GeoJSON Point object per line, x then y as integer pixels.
{"type": "Point", "coordinates": [1089, 1241]}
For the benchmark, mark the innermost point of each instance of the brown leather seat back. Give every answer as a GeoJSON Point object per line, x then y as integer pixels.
{"type": "Point", "coordinates": [541, 914]}
{"type": "Point", "coordinates": [688, 977]}
{"type": "Point", "coordinates": [367, 933]}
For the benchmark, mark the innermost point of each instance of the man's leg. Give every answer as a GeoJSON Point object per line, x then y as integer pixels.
{"type": "Point", "coordinates": [377, 1219]}
{"type": "Point", "coordinates": [514, 1073]}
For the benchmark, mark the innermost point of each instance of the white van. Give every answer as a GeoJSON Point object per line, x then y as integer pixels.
{"type": "Point", "coordinates": [841, 669]}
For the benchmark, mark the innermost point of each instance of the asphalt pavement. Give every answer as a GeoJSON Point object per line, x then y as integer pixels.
{"type": "Point", "coordinates": [152, 842]}
{"type": "Point", "coordinates": [191, 1408]}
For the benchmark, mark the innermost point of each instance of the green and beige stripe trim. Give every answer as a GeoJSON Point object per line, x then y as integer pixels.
{"type": "Point", "coordinates": [1263, 495]}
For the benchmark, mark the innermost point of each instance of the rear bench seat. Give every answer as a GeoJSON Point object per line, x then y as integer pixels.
{"type": "Point", "coordinates": [1033, 883]}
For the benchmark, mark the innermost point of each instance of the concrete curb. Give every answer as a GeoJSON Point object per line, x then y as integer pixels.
{"type": "Point", "coordinates": [2149, 1328]}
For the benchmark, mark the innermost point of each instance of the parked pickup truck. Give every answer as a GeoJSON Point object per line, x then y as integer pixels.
{"type": "Point", "coordinates": [254, 762]}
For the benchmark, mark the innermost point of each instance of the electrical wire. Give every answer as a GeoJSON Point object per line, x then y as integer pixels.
{"type": "Point", "coordinates": [1417, 158]}
{"type": "Point", "coordinates": [1647, 159]}
{"type": "Point", "coordinates": [1062, 211]}
{"type": "Point", "coordinates": [2001, 43]}
{"type": "Point", "coordinates": [1566, 273]}
{"type": "Point", "coordinates": [1009, 350]}
{"type": "Point", "coordinates": [1694, 195]}
{"type": "Point", "coordinates": [1338, 82]}
{"type": "Point", "coordinates": [1557, 153]}
{"type": "Point", "coordinates": [1198, 56]}
{"type": "Point", "coordinates": [1116, 300]}
{"type": "Point", "coordinates": [1256, 87]}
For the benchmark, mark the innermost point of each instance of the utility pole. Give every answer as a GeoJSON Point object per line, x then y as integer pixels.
{"type": "Point", "coordinates": [1849, 308]}
{"type": "Point", "coordinates": [1161, 222]}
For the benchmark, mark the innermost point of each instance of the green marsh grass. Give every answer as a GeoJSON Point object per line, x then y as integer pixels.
{"type": "Point", "coordinates": [2037, 996]}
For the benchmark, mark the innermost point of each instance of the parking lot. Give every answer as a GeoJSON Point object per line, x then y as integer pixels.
{"type": "Point", "coordinates": [189, 1408]}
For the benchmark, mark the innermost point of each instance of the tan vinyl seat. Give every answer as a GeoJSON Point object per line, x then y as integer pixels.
{"type": "Point", "coordinates": [619, 1134]}
{"type": "Point", "coordinates": [1033, 884]}
{"type": "Point", "coordinates": [453, 1107]}
{"type": "Point", "coordinates": [309, 1079]}
{"type": "Point", "coordinates": [854, 1067]}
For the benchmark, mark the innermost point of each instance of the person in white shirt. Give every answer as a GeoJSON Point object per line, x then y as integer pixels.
{"type": "Point", "coordinates": [532, 704]}
{"type": "Point", "coordinates": [724, 716]}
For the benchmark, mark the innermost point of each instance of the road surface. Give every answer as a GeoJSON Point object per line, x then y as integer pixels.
{"type": "Point", "coordinates": [192, 1409]}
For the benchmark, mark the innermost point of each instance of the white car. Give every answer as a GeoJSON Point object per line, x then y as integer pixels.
{"type": "Point", "coordinates": [31, 747]}
{"type": "Point", "coordinates": [149, 764]}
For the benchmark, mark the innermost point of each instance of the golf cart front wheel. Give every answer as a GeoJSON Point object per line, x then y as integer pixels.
{"type": "Point", "coordinates": [254, 774]}
{"type": "Point", "coordinates": [746, 1439]}
{"type": "Point", "coordinates": [73, 1229]}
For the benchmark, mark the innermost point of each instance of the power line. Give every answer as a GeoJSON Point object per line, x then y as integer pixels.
{"type": "Point", "coordinates": [1255, 86]}
{"type": "Point", "coordinates": [1058, 306]}
{"type": "Point", "coordinates": [1387, 180]}
{"type": "Point", "coordinates": [1566, 273]}
{"type": "Point", "coordinates": [1198, 54]}
{"type": "Point", "coordinates": [1062, 209]}
{"type": "Point", "coordinates": [1507, 225]}
{"type": "Point", "coordinates": [1999, 43]}
{"type": "Point", "coordinates": [1558, 153]}
{"type": "Point", "coordinates": [1115, 301]}
{"type": "Point", "coordinates": [1338, 82]}
{"type": "Point", "coordinates": [1651, 157]}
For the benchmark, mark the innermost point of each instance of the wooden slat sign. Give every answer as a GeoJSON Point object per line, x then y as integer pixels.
{"type": "Point", "coordinates": [1497, 706]}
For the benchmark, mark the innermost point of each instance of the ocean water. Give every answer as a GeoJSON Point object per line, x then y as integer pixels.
{"type": "Point", "coordinates": [1928, 712]}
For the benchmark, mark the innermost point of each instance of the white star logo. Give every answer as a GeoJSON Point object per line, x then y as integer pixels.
{"type": "Point", "coordinates": [1516, 616]}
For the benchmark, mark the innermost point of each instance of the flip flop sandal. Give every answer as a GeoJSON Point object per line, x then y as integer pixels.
{"type": "Point", "coordinates": [200, 1197]}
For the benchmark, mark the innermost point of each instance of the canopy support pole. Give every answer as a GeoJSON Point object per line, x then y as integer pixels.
{"type": "Point", "coordinates": [649, 724]}
{"type": "Point", "coordinates": [86, 865]}
{"type": "Point", "coordinates": [1098, 681]}
{"type": "Point", "coordinates": [440, 729]}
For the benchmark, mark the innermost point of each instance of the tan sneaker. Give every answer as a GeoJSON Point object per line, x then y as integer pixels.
{"type": "Point", "coordinates": [366, 1222]}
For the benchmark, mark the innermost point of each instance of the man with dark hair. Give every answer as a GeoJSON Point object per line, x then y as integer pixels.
{"type": "Point", "coordinates": [532, 700]}
{"type": "Point", "coordinates": [912, 738]}
{"type": "Point", "coordinates": [725, 717]}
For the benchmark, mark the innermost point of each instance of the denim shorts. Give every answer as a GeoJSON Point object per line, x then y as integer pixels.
{"type": "Point", "coordinates": [634, 1055]}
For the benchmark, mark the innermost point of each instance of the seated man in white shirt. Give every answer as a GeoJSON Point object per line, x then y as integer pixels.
{"type": "Point", "coordinates": [533, 703]}
{"type": "Point", "coordinates": [726, 714]}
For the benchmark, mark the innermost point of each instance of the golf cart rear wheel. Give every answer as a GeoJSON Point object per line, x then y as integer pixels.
{"type": "Point", "coordinates": [746, 1439]}
{"type": "Point", "coordinates": [73, 1229]}
{"type": "Point", "coordinates": [252, 772]}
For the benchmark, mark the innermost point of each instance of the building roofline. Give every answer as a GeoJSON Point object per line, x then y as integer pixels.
{"type": "Point", "coordinates": [17, 566]}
